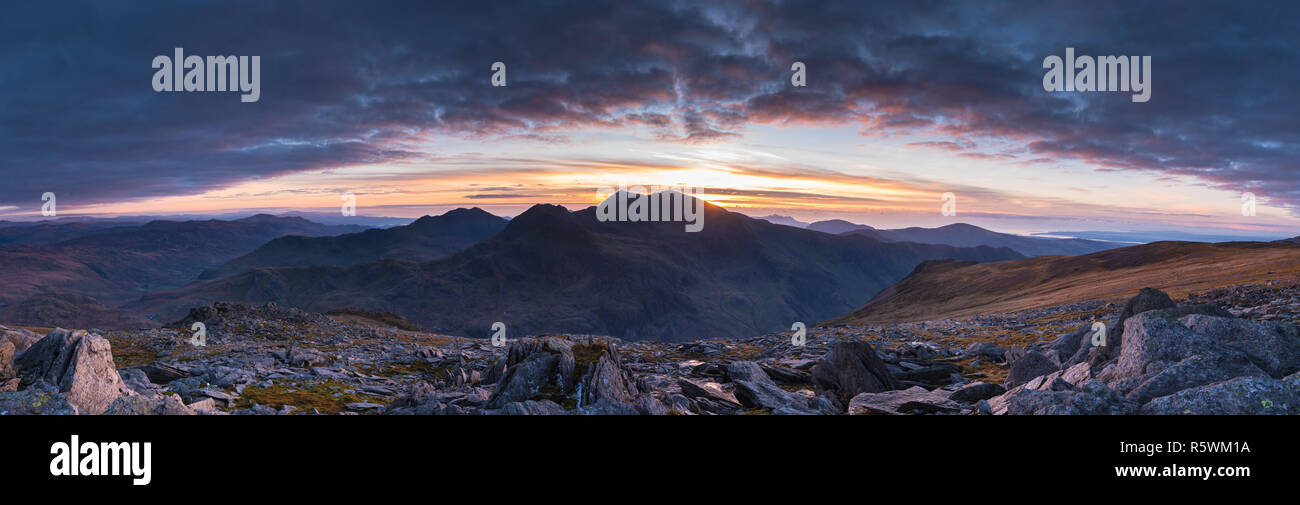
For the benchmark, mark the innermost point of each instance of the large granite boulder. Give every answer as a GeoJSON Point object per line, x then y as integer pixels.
{"type": "Point", "coordinates": [79, 364]}
{"type": "Point", "coordinates": [850, 369]}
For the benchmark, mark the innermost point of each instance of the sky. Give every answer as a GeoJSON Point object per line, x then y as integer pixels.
{"type": "Point", "coordinates": [905, 101]}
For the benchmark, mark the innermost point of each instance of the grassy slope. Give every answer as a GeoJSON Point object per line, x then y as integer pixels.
{"type": "Point", "coordinates": [951, 290]}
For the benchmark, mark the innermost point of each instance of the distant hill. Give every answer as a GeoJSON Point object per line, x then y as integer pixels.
{"type": "Point", "coordinates": [966, 235]}
{"type": "Point", "coordinates": [945, 289]}
{"type": "Point", "coordinates": [1143, 237]}
{"type": "Point", "coordinates": [118, 264]}
{"type": "Point", "coordinates": [70, 311]}
{"type": "Point", "coordinates": [426, 239]}
{"type": "Point", "coordinates": [51, 232]}
{"type": "Point", "coordinates": [785, 220]}
{"type": "Point", "coordinates": [552, 270]}
{"type": "Point", "coordinates": [837, 226]}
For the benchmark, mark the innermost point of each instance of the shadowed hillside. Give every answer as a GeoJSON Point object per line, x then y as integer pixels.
{"type": "Point", "coordinates": [115, 265]}
{"type": "Point", "coordinates": [428, 238]}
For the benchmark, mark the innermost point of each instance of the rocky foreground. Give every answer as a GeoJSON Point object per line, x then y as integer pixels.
{"type": "Point", "coordinates": [1230, 351]}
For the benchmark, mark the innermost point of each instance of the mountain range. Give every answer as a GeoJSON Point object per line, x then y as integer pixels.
{"type": "Point", "coordinates": [425, 239]}
{"type": "Point", "coordinates": [958, 234]}
{"type": "Point", "coordinates": [117, 264]}
{"type": "Point", "coordinates": [552, 270]}
{"type": "Point", "coordinates": [967, 235]}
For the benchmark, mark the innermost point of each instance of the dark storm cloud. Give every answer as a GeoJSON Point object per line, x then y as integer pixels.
{"type": "Point", "coordinates": [351, 82]}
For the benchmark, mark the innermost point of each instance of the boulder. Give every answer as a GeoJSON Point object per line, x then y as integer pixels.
{"type": "Point", "coordinates": [7, 370]}
{"type": "Point", "coordinates": [1146, 299]}
{"type": "Point", "coordinates": [850, 369]}
{"type": "Point", "coordinates": [1241, 395]}
{"type": "Point", "coordinates": [651, 406]}
{"type": "Point", "coordinates": [1028, 366]}
{"type": "Point", "coordinates": [1068, 345]}
{"type": "Point", "coordinates": [1078, 374]}
{"type": "Point", "coordinates": [1273, 347]}
{"type": "Point", "coordinates": [985, 350]}
{"type": "Point", "coordinates": [935, 374]}
{"type": "Point", "coordinates": [785, 375]}
{"type": "Point", "coordinates": [157, 405]}
{"type": "Point", "coordinates": [605, 380]}
{"type": "Point", "coordinates": [1161, 356]}
{"type": "Point", "coordinates": [535, 367]}
{"type": "Point", "coordinates": [609, 407]}
{"type": "Point", "coordinates": [914, 400]}
{"type": "Point", "coordinates": [766, 394]}
{"type": "Point", "coordinates": [976, 391]}
{"type": "Point", "coordinates": [680, 405]}
{"type": "Point", "coordinates": [79, 364]}
{"type": "Point", "coordinates": [532, 408]}
{"type": "Point", "coordinates": [19, 337]}
{"type": "Point", "coordinates": [746, 371]}
{"type": "Point", "coordinates": [1094, 398]}
{"type": "Point", "coordinates": [39, 399]}
{"type": "Point", "coordinates": [707, 391]}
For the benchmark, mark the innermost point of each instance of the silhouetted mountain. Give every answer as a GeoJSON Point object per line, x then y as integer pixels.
{"type": "Point", "coordinates": [785, 220]}
{"type": "Point", "coordinates": [966, 235]}
{"type": "Point", "coordinates": [553, 270]}
{"type": "Point", "coordinates": [426, 239]}
{"type": "Point", "coordinates": [945, 289]}
{"type": "Point", "coordinates": [119, 264]}
{"type": "Point", "coordinates": [837, 226]}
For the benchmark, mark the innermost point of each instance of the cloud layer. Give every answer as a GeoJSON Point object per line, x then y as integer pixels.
{"type": "Point", "coordinates": [348, 83]}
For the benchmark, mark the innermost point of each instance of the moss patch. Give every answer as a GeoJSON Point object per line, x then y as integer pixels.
{"type": "Point", "coordinates": [586, 355]}
{"type": "Point", "coordinates": [131, 351]}
{"type": "Point", "coordinates": [326, 396]}
{"type": "Point", "coordinates": [417, 368]}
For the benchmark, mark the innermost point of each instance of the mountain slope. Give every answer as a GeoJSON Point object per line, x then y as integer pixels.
{"type": "Point", "coordinates": [966, 235]}
{"type": "Point", "coordinates": [119, 264]}
{"type": "Point", "coordinates": [944, 289]}
{"type": "Point", "coordinates": [555, 270]}
{"type": "Point", "coordinates": [426, 239]}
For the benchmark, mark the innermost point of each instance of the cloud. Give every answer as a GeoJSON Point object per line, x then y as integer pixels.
{"type": "Point", "coordinates": [349, 83]}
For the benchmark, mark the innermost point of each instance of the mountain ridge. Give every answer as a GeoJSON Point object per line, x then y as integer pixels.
{"type": "Point", "coordinates": [555, 270]}
{"type": "Point", "coordinates": [425, 239]}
